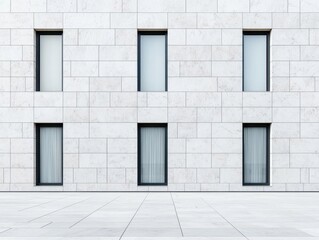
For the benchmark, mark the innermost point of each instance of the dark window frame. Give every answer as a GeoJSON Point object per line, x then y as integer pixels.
{"type": "Point", "coordinates": [267, 34]}
{"type": "Point", "coordinates": [38, 42]}
{"type": "Point", "coordinates": [267, 126]}
{"type": "Point", "coordinates": [139, 160]}
{"type": "Point", "coordinates": [38, 160]}
{"type": "Point", "coordinates": [140, 33]}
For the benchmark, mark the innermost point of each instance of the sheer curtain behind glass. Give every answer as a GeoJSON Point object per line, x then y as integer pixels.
{"type": "Point", "coordinates": [255, 154]}
{"type": "Point", "coordinates": [255, 62]}
{"type": "Point", "coordinates": [152, 62]}
{"type": "Point", "coordinates": [153, 142]}
{"type": "Point", "coordinates": [51, 154]}
{"type": "Point", "coordinates": [50, 62]}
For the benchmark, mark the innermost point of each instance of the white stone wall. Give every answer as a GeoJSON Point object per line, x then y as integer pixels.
{"type": "Point", "coordinates": [204, 106]}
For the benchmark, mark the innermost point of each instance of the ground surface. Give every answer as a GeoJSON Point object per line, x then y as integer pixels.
{"type": "Point", "coordinates": [161, 216]}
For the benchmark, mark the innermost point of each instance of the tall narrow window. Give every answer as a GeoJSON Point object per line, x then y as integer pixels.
{"type": "Point", "coordinates": [152, 154]}
{"type": "Point", "coordinates": [152, 65]}
{"type": "Point", "coordinates": [49, 145]}
{"type": "Point", "coordinates": [256, 61]}
{"type": "Point", "coordinates": [256, 154]}
{"type": "Point", "coordinates": [49, 61]}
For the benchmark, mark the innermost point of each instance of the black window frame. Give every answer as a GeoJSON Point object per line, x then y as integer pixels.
{"type": "Point", "coordinates": [267, 126]}
{"type": "Point", "coordinates": [139, 160]}
{"type": "Point", "coordinates": [267, 34]}
{"type": "Point", "coordinates": [38, 42]}
{"type": "Point", "coordinates": [38, 159]}
{"type": "Point", "coordinates": [139, 34]}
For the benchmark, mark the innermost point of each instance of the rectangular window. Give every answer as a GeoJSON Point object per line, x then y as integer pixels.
{"type": "Point", "coordinates": [49, 61]}
{"type": "Point", "coordinates": [152, 61]}
{"type": "Point", "coordinates": [152, 154]}
{"type": "Point", "coordinates": [256, 143]}
{"type": "Point", "coordinates": [49, 154]}
{"type": "Point", "coordinates": [256, 61]}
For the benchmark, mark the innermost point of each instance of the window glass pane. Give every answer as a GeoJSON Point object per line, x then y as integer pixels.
{"type": "Point", "coordinates": [50, 62]}
{"type": "Point", "coordinates": [152, 62]}
{"type": "Point", "coordinates": [153, 154]}
{"type": "Point", "coordinates": [255, 154]}
{"type": "Point", "coordinates": [255, 62]}
{"type": "Point", "coordinates": [51, 154]}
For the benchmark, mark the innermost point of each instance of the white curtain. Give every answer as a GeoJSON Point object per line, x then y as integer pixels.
{"type": "Point", "coordinates": [152, 60]}
{"type": "Point", "coordinates": [255, 154]}
{"type": "Point", "coordinates": [51, 63]}
{"type": "Point", "coordinates": [255, 62]}
{"type": "Point", "coordinates": [153, 140]}
{"type": "Point", "coordinates": [51, 154]}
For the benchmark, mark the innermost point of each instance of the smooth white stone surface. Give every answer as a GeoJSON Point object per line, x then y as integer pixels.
{"type": "Point", "coordinates": [160, 216]}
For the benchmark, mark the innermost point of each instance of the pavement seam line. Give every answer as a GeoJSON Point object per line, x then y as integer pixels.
{"type": "Point", "coordinates": [59, 209]}
{"type": "Point", "coordinates": [133, 216]}
{"type": "Point", "coordinates": [94, 211]}
{"type": "Point", "coordinates": [224, 218]}
{"type": "Point", "coordinates": [177, 215]}
{"type": "Point", "coordinates": [46, 225]}
{"type": "Point", "coordinates": [6, 230]}
{"type": "Point", "coordinates": [42, 204]}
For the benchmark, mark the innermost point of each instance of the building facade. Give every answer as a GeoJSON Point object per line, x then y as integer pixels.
{"type": "Point", "coordinates": [159, 95]}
